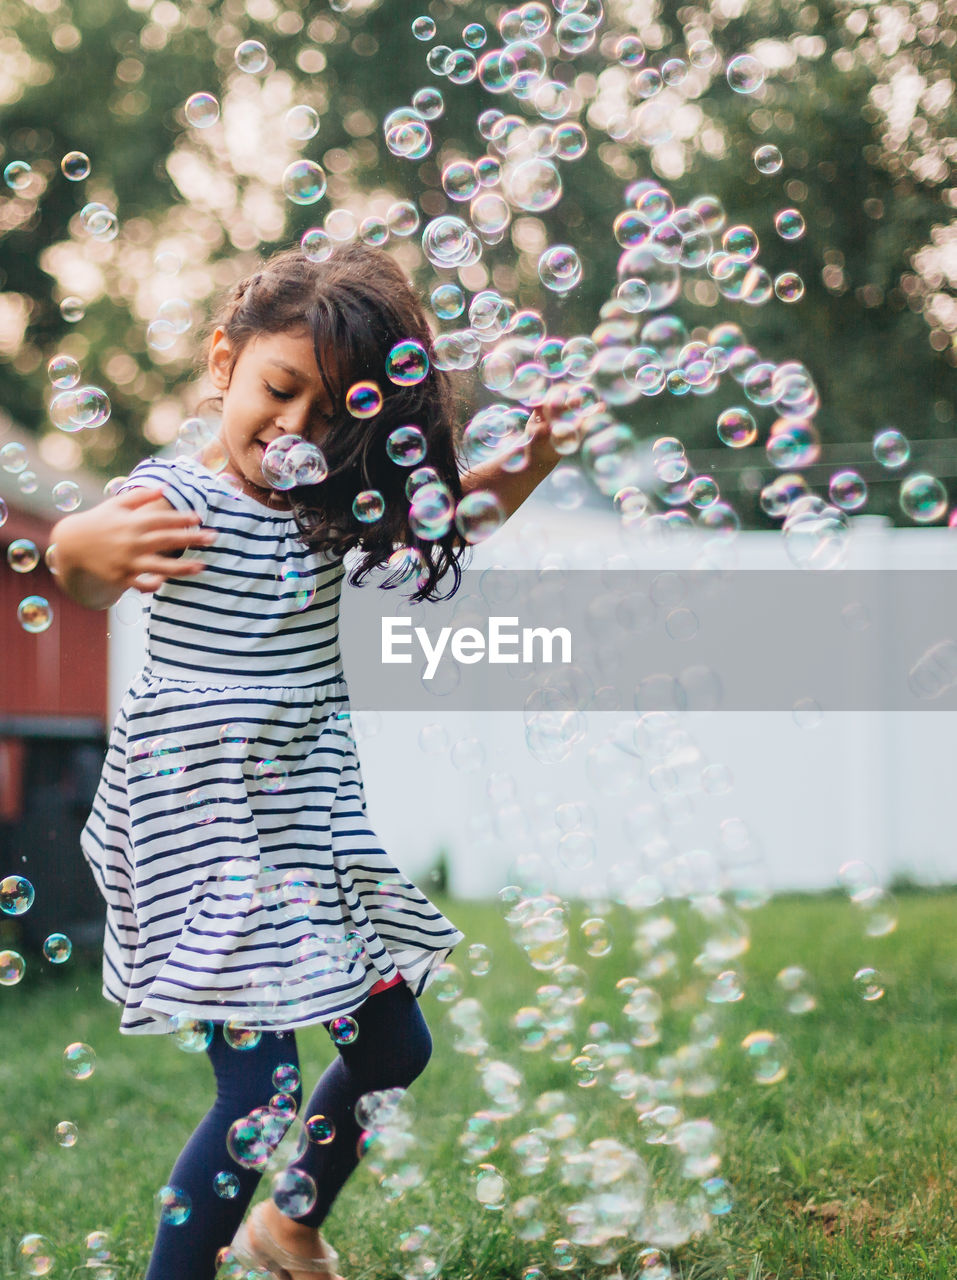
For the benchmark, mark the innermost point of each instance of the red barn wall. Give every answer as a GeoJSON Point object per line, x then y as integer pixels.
{"type": "Point", "coordinates": [62, 671]}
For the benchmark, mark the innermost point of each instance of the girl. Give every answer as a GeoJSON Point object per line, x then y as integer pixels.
{"type": "Point", "coordinates": [246, 896]}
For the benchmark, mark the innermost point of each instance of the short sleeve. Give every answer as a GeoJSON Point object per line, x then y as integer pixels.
{"type": "Point", "coordinates": [181, 484]}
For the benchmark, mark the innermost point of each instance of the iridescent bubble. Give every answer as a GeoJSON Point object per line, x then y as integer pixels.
{"type": "Point", "coordinates": [202, 110]}
{"type": "Point", "coordinates": [35, 1256]}
{"type": "Point", "coordinates": [402, 218]}
{"type": "Point", "coordinates": [423, 28]}
{"type": "Point", "coordinates": [406, 364]}
{"type": "Point", "coordinates": [737, 428]}
{"type": "Point", "coordinates": [75, 166]}
{"type": "Point", "coordinates": [293, 1192]}
{"type": "Point", "coordinates": [304, 182]}
{"type": "Point", "coordinates": [17, 175]}
{"type": "Point", "coordinates": [489, 1186]}
{"type": "Point", "coordinates": [172, 1206]}
{"type": "Point", "coordinates": [891, 448]}
{"type": "Point", "coordinates": [767, 159]}
{"type": "Point", "coordinates": [247, 1143]}
{"type": "Point", "coordinates": [740, 243]}
{"type": "Point", "coordinates": [406, 446]}
{"type": "Point", "coordinates": [725, 988]}
{"type": "Point", "coordinates": [320, 1130]}
{"type": "Point", "coordinates": [301, 122]}
{"type": "Point", "coordinates": [16, 895]}
{"type": "Point", "coordinates": [12, 968]}
{"type": "Point", "coordinates": [717, 1196]}
{"type": "Point", "coordinates": [66, 495]}
{"type": "Point", "coordinates": [847, 490]}
{"type": "Point", "coordinates": [251, 56]}
{"type": "Point", "coordinates": [630, 51]}
{"type": "Point", "coordinates": [63, 371]}
{"type": "Point", "coordinates": [869, 984]}
{"type": "Point", "coordinates": [226, 1185]}
{"type": "Point", "coordinates": [789, 286]}
{"type": "Point", "coordinates": [429, 102]}
{"type": "Point", "coordinates": [559, 268]}
{"type": "Point", "coordinates": [533, 185]}
{"type": "Point", "coordinates": [478, 515]}
{"type": "Point", "coordinates": [447, 301]}
{"type": "Point", "coordinates": [13, 457]}
{"type": "Point", "coordinates": [22, 555]}
{"type": "Point", "coordinates": [794, 981]}
{"type": "Point", "coordinates": [57, 948]}
{"type": "Point", "coordinates": [368, 506]}
{"type": "Point", "coordinates": [79, 1061]}
{"type": "Point", "coordinates": [767, 1056]}
{"type": "Point", "coordinates": [923, 498]}
{"type": "Point", "coordinates": [72, 309]}
{"type": "Point", "coordinates": [271, 776]}
{"type": "Point", "coordinates": [343, 1030]}
{"type": "Point", "coordinates": [66, 1133]}
{"type": "Point", "coordinates": [363, 400]}
{"type": "Point", "coordinates": [237, 1034]}
{"type": "Point", "coordinates": [431, 511]}
{"type": "Point", "coordinates": [745, 74]}
{"type": "Point", "coordinates": [789, 224]}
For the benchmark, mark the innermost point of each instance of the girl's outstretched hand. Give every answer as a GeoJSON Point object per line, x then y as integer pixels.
{"type": "Point", "coordinates": [126, 541]}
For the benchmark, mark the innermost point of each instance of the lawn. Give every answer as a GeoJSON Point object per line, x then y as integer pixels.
{"type": "Point", "coordinates": [846, 1167]}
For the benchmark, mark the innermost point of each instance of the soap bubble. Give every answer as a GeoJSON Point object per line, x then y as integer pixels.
{"type": "Point", "coordinates": [767, 159]}
{"type": "Point", "coordinates": [891, 448]}
{"type": "Point", "coordinates": [57, 948]}
{"type": "Point", "coordinates": [478, 515]}
{"type": "Point", "coordinates": [66, 495]}
{"type": "Point", "coordinates": [17, 175]}
{"type": "Point", "coordinates": [789, 286]}
{"type": "Point", "coordinates": [251, 56]}
{"type": "Point", "coordinates": [368, 506]}
{"type": "Point", "coordinates": [794, 982]}
{"type": "Point", "coordinates": [767, 1057]}
{"type": "Point", "coordinates": [172, 1206]}
{"type": "Point", "coordinates": [316, 245]}
{"type": "Point", "coordinates": [202, 110]}
{"type": "Point", "coordinates": [559, 268]}
{"type": "Point", "coordinates": [66, 1133]}
{"type": "Point", "coordinates": [447, 301]}
{"type": "Point", "coordinates": [847, 490]}
{"type": "Point", "coordinates": [79, 1061]}
{"type": "Point", "coordinates": [320, 1130]}
{"type": "Point", "coordinates": [343, 1030]}
{"type": "Point", "coordinates": [301, 123]}
{"type": "Point", "coordinates": [923, 498]}
{"type": "Point", "coordinates": [72, 309]}
{"type": "Point", "coordinates": [226, 1185]}
{"type": "Point", "coordinates": [16, 895]}
{"type": "Point", "coordinates": [12, 968]}
{"type": "Point", "coordinates": [745, 74]}
{"type": "Point", "coordinates": [23, 555]}
{"type": "Point", "coordinates": [533, 185]}
{"type": "Point", "coordinates": [423, 28]}
{"type": "Point", "coordinates": [294, 1192]}
{"type": "Point", "coordinates": [869, 984]}
{"type": "Point", "coordinates": [789, 224]}
{"type": "Point", "coordinates": [364, 400]}
{"type": "Point", "coordinates": [737, 428]}
{"type": "Point", "coordinates": [304, 182]}
{"type": "Point", "coordinates": [407, 363]}
{"type": "Point", "coordinates": [75, 166]}
{"type": "Point", "coordinates": [13, 457]}
{"type": "Point", "coordinates": [35, 1256]}
{"type": "Point", "coordinates": [192, 1035]}
{"type": "Point", "coordinates": [406, 446]}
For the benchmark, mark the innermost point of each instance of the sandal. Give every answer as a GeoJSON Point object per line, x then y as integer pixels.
{"type": "Point", "coordinates": [270, 1255]}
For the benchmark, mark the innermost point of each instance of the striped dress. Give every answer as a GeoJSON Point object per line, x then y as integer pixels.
{"type": "Point", "coordinates": [229, 834]}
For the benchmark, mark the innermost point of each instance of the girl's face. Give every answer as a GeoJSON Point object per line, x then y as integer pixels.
{"type": "Point", "coordinates": [272, 388]}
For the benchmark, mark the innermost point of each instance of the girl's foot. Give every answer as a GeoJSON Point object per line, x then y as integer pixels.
{"type": "Point", "coordinates": [294, 1238]}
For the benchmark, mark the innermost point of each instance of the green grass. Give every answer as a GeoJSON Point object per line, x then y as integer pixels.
{"type": "Point", "coordinates": [847, 1168]}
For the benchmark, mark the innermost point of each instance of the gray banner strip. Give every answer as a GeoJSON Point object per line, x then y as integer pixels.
{"type": "Point", "coordinates": [571, 640]}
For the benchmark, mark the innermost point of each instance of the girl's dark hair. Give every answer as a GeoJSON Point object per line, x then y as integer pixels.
{"type": "Point", "coordinates": [357, 305]}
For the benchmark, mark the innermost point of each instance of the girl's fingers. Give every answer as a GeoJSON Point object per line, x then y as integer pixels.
{"type": "Point", "coordinates": [134, 498]}
{"type": "Point", "coordinates": [168, 568]}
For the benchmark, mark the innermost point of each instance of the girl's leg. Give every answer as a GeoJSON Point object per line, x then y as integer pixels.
{"type": "Point", "coordinates": [244, 1081]}
{"type": "Point", "coordinates": [391, 1049]}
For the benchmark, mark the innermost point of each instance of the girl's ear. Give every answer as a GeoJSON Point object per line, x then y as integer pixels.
{"type": "Point", "coordinates": [220, 361]}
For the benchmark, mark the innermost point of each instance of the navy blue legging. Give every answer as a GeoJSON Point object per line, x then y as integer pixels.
{"type": "Point", "coordinates": [391, 1049]}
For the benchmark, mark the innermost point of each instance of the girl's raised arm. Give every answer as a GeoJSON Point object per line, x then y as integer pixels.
{"type": "Point", "coordinates": [513, 487]}
{"type": "Point", "coordinates": [124, 542]}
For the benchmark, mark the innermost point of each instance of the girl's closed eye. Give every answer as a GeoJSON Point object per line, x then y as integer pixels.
{"type": "Point", "coordinates": [277, 394]}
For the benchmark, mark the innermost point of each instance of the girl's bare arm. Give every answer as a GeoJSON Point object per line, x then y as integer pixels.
{"type": "Point", "coordinates": [513, 487]}
{"type": "Point", "coordinates": [124, 542]}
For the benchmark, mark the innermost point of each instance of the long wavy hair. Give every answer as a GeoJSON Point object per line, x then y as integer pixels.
{"type": "Point", "coordinates": [357, 305]}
